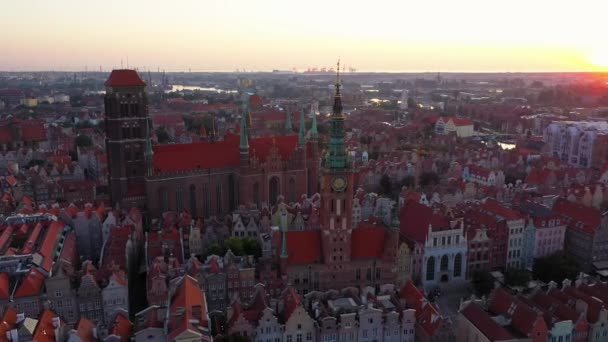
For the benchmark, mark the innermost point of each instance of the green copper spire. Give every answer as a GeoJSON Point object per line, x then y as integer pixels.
{"type": "Point", "coordinates": [337, 147]}
{"type": "Point", "coordinates": [244, 144]}
{"type": "Point", "coordinates": [302, 132]}
{"type": "Point", "coordinates": [288, 126]}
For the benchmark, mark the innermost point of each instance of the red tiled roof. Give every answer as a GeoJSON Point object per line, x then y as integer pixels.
{"type": "Point", "coordinates": [53, 233]}
{"type": "Point", "coordinates": [45, 331]}
{"type": "Point", "coordinates": [4, 286]}
{"type": "Point", "coordinates": [291, 300]}
{"type": "Point", "coordinates": [214, 266]}
{"type": "Point", "coordinates": [31, 284]}
{"type": "Point", "coordinates": [33, 130]}
{"type": "Point", "coordinates": [122, 327]}
{"type": "Point", "coordinates": [114, 251]}
{"type": "Point", "coordinates": [222, 154]}
{"type": "Point", "coordinates": [575, 213]}
{"type": "Point", "coordinates": [6, 234]}
{"type": "Point", "coordinates": [427, 314]}
{"type": "Point", "coordinates": [85, 330]}
{"type": "Point", "coordinates": [124, 78]}
{"type": "Point", "coordinates": [214, 106]}
{"type": "Point", "coordinates": [367, 241]}
{"type": "Point", "coordinates": [303, 246]}
{"type": "Point", "coordinates": [496, 208]}
{"type": "Point", "coordinates": [189, 297]}
{"type": "Point", "coordinates": [484, 322]}
{"type": "Point", "coordinates": [8, 323]}
{"type": "Point", "coordinates": [414, 220]}
{"type": "Point", "coordinates": [28, 248]}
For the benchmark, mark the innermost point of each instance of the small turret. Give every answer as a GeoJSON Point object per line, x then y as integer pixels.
{"type": "Point", "coordinates": [302, 131]}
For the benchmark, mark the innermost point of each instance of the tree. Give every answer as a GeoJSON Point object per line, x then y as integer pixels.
{"type": "Point", "coordinates": [385, 185]}
{"type": "Point", "coordinates": [162, 135]}
{"type": "Point", "coordinates": [517, 277]}
{"type": "Point", "coordinates": [83, 141]}
{"type": "Point", "coordinates": [410, 103]}
{"type": "Point", "coordinates": [252, 246]}
{"type": "Point", "coordinates": [556, 267]}
{"type": "Point", "coordinates": [216, 249]}
{"type": "Point", "coordinates": [483, 283]}
{"type": "Point", "coordinates": [234, 244]}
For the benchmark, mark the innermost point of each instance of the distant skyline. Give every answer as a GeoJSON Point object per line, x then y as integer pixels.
{"type": "Point", "coordinates": [262, 35]}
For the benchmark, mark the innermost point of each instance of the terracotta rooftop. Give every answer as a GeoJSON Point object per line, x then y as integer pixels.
{"type": "Point", "coordinates": [124, 78]}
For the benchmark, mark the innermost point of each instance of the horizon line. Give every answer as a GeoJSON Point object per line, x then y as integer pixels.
{"type": "Point", "coordinates": [318, 73]}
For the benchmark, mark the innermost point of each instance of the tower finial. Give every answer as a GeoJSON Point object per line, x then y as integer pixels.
{"type": "Point", "coordinates": [338, 74]}
{"type": "Point", "coordinates": [337, 96]}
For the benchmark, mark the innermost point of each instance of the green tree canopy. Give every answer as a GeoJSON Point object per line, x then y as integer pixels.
{"type": "Point", "coordinates": [556, 267]}
{"type": "Point", "coordinates": [83, 141]}
{"type": "Point", "coordinates": [483, 283]}
{"type": "Point", "coordinates": [162, 135]}
{"type": "Point", "coordinates": [517, 277]}
{"type": "Point", "coordinates": [234, 244]}
{"type": "Point", "coordinates": [252, 246]}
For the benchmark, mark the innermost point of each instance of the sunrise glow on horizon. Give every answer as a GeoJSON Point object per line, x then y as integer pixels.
{"type": "Point", "coordinates": [225, 35]}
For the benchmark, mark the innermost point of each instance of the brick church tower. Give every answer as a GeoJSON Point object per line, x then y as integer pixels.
{"type": "Point", "coordinates": [127, 126]}
{"type": "Point", "coordinates": [337, 194]}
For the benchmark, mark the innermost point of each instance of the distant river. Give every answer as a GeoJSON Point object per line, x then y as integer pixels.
{"type": "Point", "coordinates": [179, 87]}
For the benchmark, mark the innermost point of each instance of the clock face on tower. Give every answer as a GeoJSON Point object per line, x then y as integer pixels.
{"type": "Point", "coordinates": [338, 183]}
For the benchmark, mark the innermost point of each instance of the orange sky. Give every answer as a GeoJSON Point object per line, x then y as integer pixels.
{"type": "Point", "coordinates": [391, 35]}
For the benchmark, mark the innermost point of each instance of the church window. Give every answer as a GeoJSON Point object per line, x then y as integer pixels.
{"type": "Point", "coordinates": [275, 190]}
{"type": "Point", "coordinates": [444, 263]}
{"type": "Point", "coordinates": [192, 199]}
{"type": "Point", "coordinates": [430, 269]}
{"type": "Point", "coordinates": [292, 190]}
{"type": "Point", "coordinates": [218, 198]}
{"type": "Point", "coordinates": [163, 200]}
{"type": "Point", "coordinates": [458, 265]}
{"type": "Point", "coordinates": [179, 200]}
{"type": "Point", "coordinates": [256, 194]}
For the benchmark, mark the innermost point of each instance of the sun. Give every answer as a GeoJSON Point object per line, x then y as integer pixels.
{"type": "Point", "coordinates": [599, 57]}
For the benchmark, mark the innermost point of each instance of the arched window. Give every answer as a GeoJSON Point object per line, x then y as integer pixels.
{"type": "Point", "coordinates": [231, 192]}
{"type": "Point", "coordinates": [179, 199]}
{"type": "Point", "coordinates": [163, 200]}
{"type": "Point", "coordinates": [275, 190]}
{"type": "Point", "coordinates": [458, 265]}
{"type": "Point", "coordinates": [256, 194]}
{"type": "Point", "coordinates": [193, 199]}
{"type": "Point", "coordinates": [430, 269]}
{"type": "Point", "coordinates": [292, 190]}
{"type": "Point", "coordinates": [218, 198]}
{"type": "Point", "coordinates": [444, 263]}
{"type": "Point", "coordinates": [205, 200]}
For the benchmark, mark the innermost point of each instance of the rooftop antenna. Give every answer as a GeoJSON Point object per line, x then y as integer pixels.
{"type": "Point", "coordinates": [121, 66]}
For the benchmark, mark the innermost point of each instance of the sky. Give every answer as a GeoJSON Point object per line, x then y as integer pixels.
{"type": "Point", "coordinates": [262, 35]}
